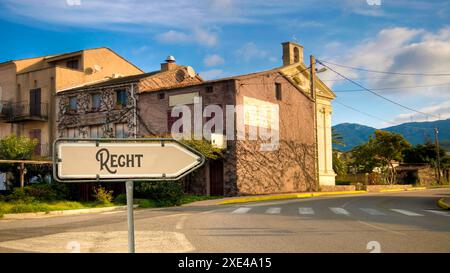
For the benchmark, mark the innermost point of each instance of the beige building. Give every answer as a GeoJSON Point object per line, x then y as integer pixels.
{"type": "Point", "coordinates": [298, 73]}
{"type": "Point", "coordinates": [301, 162]}
{"type": "Point", "coordinates": [28, 88]}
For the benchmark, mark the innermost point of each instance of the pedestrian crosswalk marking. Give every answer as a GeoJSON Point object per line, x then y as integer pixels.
{"type": "Point", "coordinates": [406, 212]}
{"type": "Point", "coordinates": [372, 211]}
{"type": "Point", "coordinates": [306, 211]}
{"type": "Point", "coordinates": [241, 210]}
{"type": "Point", "coordinates": [339, 211]}
{"type": "Point", "coordinates": [438, 212]}
{"type": "Point", "coordinates": [273, 210]}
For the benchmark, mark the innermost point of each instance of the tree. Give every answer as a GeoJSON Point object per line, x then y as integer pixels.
{"type": "Point", "coordinates": [17, 147]}
{"type": "Point", "coordinates": [337, 138]}
{"type": "Point", "coordinates": [382, 149]}
{"type": "Point", "coordinates": [389, 147]}
{"type": "Point", "coordinates": [422, 153]}
{"type": "Point", "coordinates": [364, 157]}
{"type": "Point", "coordinates": [339, 164]}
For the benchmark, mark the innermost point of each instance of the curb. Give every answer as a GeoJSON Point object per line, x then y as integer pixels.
{"type": "Point", "coordinates": [37, 215]}
{"type": "Point", "coordinates": [306, 195]}
{"type": "Point", "coordinates": [443, 204]}
{"type": "Point", "coordinates": [407, 189]}
{"type": "Point", "coordinates": [286, 196]}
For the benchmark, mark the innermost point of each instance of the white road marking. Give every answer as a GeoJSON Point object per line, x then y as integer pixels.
{"type": "Point", "coordinates": [241, 210]}
{"type": "Point", "coordinates": [273, 210]}
{"type": "Point", "coordinates": [340, 211]}
{"type": "Point", "coordinates": [306, 211]}
{"type": "Point", "coordinates": [372, 211]}
{"type": "Point", "coordinates": [438, 212]}
{"type": "Point", "coordinates": [406, 212]}
{"type": "Point", "coordinates": [381, 228]}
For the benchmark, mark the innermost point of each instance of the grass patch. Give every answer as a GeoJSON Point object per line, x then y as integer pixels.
{"type": "Point", "coordinates": [40, 206]}
{"type": "Point", "coordinates": [186, 199]}
{"type": "Point", "coordinates": [146, 203]}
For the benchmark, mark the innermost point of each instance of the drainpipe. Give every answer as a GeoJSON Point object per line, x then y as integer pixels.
{"type": "Point", "coordinates": [135, 110]}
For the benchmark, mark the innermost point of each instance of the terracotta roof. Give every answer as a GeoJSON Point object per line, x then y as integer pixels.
{"type": "Point", "coordinates": [199, 81]}
{"type": "Point", "coordinates": [168, 79]}
{"type": "Point", "coordinates": [148, 82]}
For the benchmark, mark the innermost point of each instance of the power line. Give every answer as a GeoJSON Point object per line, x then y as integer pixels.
{"type": "Point", "coordinates": [378, 118]}
{"type": "Point", "coordinates": [389, 72]}
{"type": "Point", "coordinates": [375, 93]}
{"type": "Point", "coordinates": [394, 88]}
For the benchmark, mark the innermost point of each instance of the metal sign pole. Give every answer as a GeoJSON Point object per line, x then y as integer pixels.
{"type": "Point", "coordinates": [130, 210]}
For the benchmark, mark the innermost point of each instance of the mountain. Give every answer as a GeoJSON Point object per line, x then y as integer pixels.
{"type": "Point", "coordinates": [415, 132]}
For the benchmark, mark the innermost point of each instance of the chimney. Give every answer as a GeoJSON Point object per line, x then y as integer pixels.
{"type": "Point", "coordinates": [169, 64]}
{"type": "Point", "coordinates": [292, 53]}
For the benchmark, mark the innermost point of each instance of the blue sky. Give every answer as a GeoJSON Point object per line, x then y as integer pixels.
{"type": "Point", "coordinates": [221, 38]}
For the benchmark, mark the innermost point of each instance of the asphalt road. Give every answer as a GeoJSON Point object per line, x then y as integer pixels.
{"type": "Point", "coordinates": [391, 222]}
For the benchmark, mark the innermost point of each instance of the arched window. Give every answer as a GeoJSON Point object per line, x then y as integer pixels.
{"type": "Point", "coordinates": [296, 55]}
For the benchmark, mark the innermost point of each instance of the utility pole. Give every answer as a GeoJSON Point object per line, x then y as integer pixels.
{"type": "Point", "coordinates": [438, 156]}
{"type": "Point", "coordinates": [312, 75]}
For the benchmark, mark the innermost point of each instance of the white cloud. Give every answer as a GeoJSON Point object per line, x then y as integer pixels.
{"type": "Point", "coordinates": [440, 110]}
{"type": "Point", "coordinates": [203, 36]}
{"type": "Point", "coordinates": [173, 36]}
{"type": "Point", "coordinates": [198, 35]}
{"type": "Point", "coordinates": [211, 74]}
{"type": "Point", "coordinates": [140, 14]}
{"type": "Point", "coordinates": [250, 51]}
{"type": "Point", "coordinates": [213, 60]}
{"type": "Point", "coordinates": [399, 50]}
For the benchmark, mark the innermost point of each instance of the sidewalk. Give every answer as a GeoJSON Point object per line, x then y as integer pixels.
{"type": "Point", "coordinates": [270, 197]}
{"type": "Point", "coordinates": [35, 215]}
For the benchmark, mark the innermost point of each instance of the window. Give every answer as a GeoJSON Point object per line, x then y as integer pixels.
{"type": "Point", "coordinates": [209, 89]}
{"type": "Point", "coordinates": [161, 96]}
{"type": "Point", "coordinates": [278, 91]}
{"type": "Point", "coordinates": [121, 97]}
{"type": "Point", "coordinates": [121, 130]}
{"type": "Point", "coordinates": [296, 55]}
{"type": "Point", "coordinates": [96, 131]}
{"type": "Point", "coordinates": [73, 103]}
{"type": "Point", "coordinates": [96, 99]}
{"type": "Point", "coordinates": [72, 133]}
{"type": "Point", "coordinates": [171, 120]}
{"type": "Point", "coordinates": [213, 129]}
{"type": "Point", "coordinates": [72, 64]}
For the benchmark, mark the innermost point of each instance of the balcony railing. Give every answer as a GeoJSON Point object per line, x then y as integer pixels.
{"type": "Point", "coordinates": [16, 112]}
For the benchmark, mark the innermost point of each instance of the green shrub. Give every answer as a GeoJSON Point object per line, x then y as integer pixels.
{"type": "Point", "coordinates": [167, 193]}
{"type": "Point", "coordinates": [102, 195]}
{"type": "Point", "coordinates": [121, 199]}
{"type": "Point", "coordinates": [20, 195]}
{"type": "Point", "coordinates": [41, 192]}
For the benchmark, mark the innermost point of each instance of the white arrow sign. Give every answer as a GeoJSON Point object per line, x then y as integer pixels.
{"type": "Point", "coordinates": [125, 159]}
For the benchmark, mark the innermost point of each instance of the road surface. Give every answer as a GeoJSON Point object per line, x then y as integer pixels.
{"type": "Point", "coordinates": [390, 222]}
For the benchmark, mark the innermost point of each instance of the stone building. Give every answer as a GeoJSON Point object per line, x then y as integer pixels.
{"type": "Point", "coordinates": [108, 109]}
{"type": "Point", "coordinates": [299, 160]}
{"type": "Point", "coordinates": [28, 88]}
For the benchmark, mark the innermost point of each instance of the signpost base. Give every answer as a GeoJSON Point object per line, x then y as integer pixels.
{"type": "Point", "coordinates": [130, 212]}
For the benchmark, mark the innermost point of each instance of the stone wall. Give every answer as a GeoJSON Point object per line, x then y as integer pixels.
{"type": "Point", "coordinates": [106, 115]}
{"type": "Point", "coordinates": [290, 168]}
